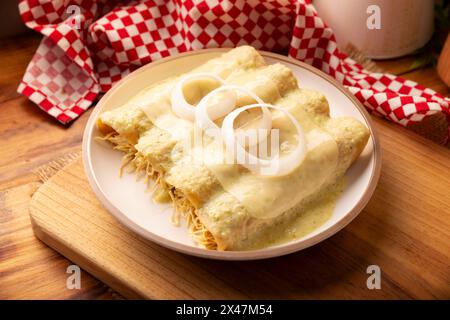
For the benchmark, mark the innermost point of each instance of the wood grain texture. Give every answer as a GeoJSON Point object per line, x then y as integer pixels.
{"type": "Point", "coordinates": [404, 229]}
{"type": "Point", "coordinates": [443, 66]}
{"type": "Point", "coordinates": [386, 234]}
{"type": "Point", "coordinates": [30, 138]}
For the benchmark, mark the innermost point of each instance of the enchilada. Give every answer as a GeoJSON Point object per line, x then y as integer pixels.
{"type": "Point", "coordinates": [227, 206]}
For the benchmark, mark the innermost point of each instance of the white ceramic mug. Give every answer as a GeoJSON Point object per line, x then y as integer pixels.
{"type": "Point", "coordinates": [405, 25]}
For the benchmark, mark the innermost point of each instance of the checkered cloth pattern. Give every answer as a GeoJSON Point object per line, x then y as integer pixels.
{"type": "Point", "coordinates": [89, 45]}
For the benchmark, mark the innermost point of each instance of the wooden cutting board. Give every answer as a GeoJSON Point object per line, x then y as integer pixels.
{"type": "Point", "coordinates": [412, 251]}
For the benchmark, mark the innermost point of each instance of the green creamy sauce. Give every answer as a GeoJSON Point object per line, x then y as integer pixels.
{"type": "Point", "coordinates": [282, 193]}
{"type": "Point", "coordinates": [301, 223]}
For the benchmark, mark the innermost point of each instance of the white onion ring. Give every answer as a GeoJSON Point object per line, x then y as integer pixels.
{"type": "Point", "coordinates": [206, 113]}
{"type": "Point", "coordinates": [180, 106]}
{"type": "Point", "coordinates": [255, 164]}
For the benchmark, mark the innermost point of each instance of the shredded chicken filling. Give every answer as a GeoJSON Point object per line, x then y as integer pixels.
{"type": "Point", "coordinates": [135, 161]}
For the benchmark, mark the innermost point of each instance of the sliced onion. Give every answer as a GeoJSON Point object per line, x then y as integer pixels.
{"type": "Point", "coordinates": [207, 112]}
{"type": "Point", "coordinates": [286, 164]}
{"type": "Point", "coordinates": [180, 106]}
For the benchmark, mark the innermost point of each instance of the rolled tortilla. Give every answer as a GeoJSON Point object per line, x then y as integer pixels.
{"type": "Point", "coordinates": [227, 207]}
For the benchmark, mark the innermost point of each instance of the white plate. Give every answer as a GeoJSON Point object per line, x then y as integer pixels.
{"type": "Point", "coordinates": [127, 200]}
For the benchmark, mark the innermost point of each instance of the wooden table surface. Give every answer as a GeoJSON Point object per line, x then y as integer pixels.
{"type": "Point", "coordinates": [30, 139]}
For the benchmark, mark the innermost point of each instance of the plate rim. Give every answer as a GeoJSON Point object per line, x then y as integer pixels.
{"type": "Point", "coordinates": [258, 254]}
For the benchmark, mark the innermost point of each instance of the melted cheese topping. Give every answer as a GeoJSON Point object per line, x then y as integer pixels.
{"type": "Point", "coordinates": [263, 197]}
{"type": "Point", "coordinates": [239, 208]}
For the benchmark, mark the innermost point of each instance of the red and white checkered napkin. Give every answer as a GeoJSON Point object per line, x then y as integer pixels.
{"type": "Point", "coordinates": [90, 45]}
